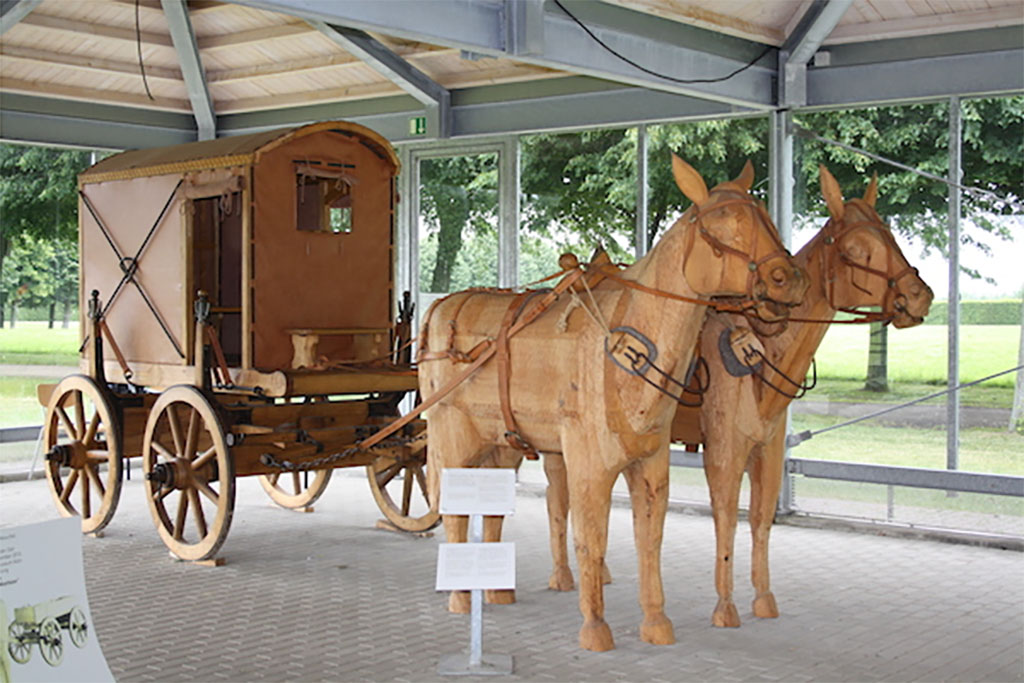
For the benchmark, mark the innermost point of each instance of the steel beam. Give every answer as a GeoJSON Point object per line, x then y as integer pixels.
{"type": "Point", "coordinates": [915, 477]}
{"type": "Point", "coordinates": [384, 61]}
{"type": "Point", "coordinates": [665, 48]}
{"type": "Point", "coordinates": [191, 67]}
{"type": "Point", "coordinates": [814, 27]}
{"type": "Point", "coordinates": [931, 78]}
{"type": "Point", "coordinates": [32, 119]}
{"type": "Point", "coordinates": [13, 11]}
{"type": "Point", "coordinates": [953, 307]}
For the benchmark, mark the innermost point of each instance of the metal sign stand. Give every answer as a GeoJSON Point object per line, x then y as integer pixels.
{"type": "Point", "coordinates": [475, 663]}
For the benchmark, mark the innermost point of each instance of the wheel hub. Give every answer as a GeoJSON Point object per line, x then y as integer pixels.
{"type": "Point", "coordinates": [68, 455]}
{"type": "Point", "coordinates": [176, 474]}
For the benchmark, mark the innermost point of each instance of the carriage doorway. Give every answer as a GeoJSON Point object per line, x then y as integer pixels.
{"type": "Point", "coordinates": [217, 266]}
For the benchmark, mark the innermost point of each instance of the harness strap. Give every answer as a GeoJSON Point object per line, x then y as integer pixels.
{"type": "Point", "coordinates": [485, 355]}
{"type": "Point", "coordinates": [504, 360]}
{"type": "Point", "coordinates": [125, 370]}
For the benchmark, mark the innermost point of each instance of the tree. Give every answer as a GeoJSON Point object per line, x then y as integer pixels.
{"type": "Point", "coordinates": [38, 196]}
{"type": "Point", "coordinates": [457, 193]}
{"type": "Point", "coordinates": [25, 281]}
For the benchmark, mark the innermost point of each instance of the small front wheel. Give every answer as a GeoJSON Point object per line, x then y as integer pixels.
{"type": "Point", "coordinates": [190, 476]}
{"type": "Point", "coordinates": [295, 490]}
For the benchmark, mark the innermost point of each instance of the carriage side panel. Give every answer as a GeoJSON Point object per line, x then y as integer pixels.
{"type": "Point", "coordinates": [333, 278]}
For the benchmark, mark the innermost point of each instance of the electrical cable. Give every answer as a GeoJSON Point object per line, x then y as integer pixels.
{"type": "Point", "coordinates": [138, 45]}
{"type": "Point", "coordinates": [652, 72]}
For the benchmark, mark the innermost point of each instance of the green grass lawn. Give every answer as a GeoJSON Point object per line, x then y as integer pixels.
{"type": "Point", "coordinates": [33, 343]}
{"type": "Point", "coordinates": [918, 354]}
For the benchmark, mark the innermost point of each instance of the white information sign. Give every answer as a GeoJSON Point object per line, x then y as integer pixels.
{"type": "Point", "coordinates": [47, 629]}
{"type": "Point", "coordinates": [478, 491]}
{"type": "Point", "coordinates": [475, 566]}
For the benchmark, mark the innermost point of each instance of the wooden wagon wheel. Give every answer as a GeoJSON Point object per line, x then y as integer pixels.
{"type": "Point", "coordinates": [83, 444]}
{"type": "Point", "coordinates": [403, 477]}
{"type": "Point", "coordinates": [295, 490]}
{"type": "Point", "coordinates": [19, 643]}
{"type": "Point", "coordinates": [189, 473]}
{"type": "Point", "coordinates": [51, 644]}
{"type": "Point", "coordinates": [78, 627]}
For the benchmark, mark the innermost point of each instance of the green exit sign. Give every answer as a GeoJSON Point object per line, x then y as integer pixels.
{"type": "Point", "coordinates": [418, 125]}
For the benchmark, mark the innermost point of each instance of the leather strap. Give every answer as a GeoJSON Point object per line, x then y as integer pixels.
{"type": "Point", "coordinates": [486, 355]}
{"type": "Point", "coordinates": [504, 360]}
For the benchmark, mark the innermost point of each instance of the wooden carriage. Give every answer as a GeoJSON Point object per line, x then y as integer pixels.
{"type": "Point", "coordinates": [238, 318]}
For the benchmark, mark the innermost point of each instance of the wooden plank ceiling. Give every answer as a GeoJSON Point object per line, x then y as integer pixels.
{"type": "Point", "coordinates": [96, 50]}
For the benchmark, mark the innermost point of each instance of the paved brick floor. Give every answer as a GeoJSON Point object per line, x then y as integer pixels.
{"type": "Point", "coordinates": [326, 596]}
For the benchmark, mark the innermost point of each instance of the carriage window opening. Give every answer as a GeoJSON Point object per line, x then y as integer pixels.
{"type": "Point", "coordinates": [324, 204]}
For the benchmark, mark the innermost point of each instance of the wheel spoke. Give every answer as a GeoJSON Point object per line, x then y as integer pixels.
{"type": "Point", "coordinates": [197, 513]}
{"type": "Point", "coordinates": [90, 433]}
{"type": "Point", "coordinates": [172, 420]}
{"type": "Point", "coordinates": [296, 482]}
{"type": "Point", "coordinates": [79, 414]}
{"type": "Point", "coordinates": [69, 428]}
{"type": "Point", "coordinates": [205, 489]}
{"type": "Point", "coordinates": [160, 493]}
{"type": "Point", "coordinates": [384, 477]}
{"type": "Point", "coordinates": [158, 447]}
{"type": "Point", "coordinates": [86, 499]}
{"type": "Point", "coordinates": [179, 520]}
{"type": "Point", "coordinates": [407, 493]}
{"type": "Point", "coordinates": [273, 477]}
{"type": "Point", "coordinates": [192, 435]}
{"type": "Point", "coordinates": [204, 457]}
{"type": "Point", "coordinates": [69, 486]}
{"type": "Point", "coordinates": [422, 480]}
{"type": "Point", "coordinates": [96, 479]}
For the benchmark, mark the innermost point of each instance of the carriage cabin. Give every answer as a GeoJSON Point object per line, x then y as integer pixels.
{"type": "Point", "coordinates": [290, 234]}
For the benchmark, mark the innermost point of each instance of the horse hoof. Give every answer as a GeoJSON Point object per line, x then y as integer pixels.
{"type": "Point", "coordinates": [606, 575]}
{"type": "Point", "coordinates": [657, 631]}
{"type": "Point", "coordinates": [765, 607]}
{"type": "Point", "coordinates": [500, 597]}
{"type": "Point", "coordinates": [596, 637]}
{"type": "Point", "coordinates": [561, 580]}
{"type": "Point", "coordinates": [458, 602]}
{"type": "Point", "coordinates": [725, 615]}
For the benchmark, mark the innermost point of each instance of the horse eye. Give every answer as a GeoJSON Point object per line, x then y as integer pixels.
{"type": "Point", "coordinates": [778, 275]}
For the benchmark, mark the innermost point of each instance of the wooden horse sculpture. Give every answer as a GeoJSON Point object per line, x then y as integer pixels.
{"type": "Point", "coordinates": [590, 378]}
{"type": "Point", "coordinates": [853, 262]}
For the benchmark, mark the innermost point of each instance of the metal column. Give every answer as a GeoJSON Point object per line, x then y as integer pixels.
{"type": "Point", "coordinates": [508, 208]}
{"type": "Point", "coordinates": [953, 373]}
{"type": "Point", "coordinates": [641, 237]}
{"type": "Point", "coordinates": [780, 182]}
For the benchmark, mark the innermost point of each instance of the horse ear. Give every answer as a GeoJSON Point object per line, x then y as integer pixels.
{"type": "Point", "coordinates": [831, 192]}
{"type": "Point", "coordinates": [871, 194]}
{"type": "Point", "coordinates": [746, 177]}
{"type": "Point", "coordinates": [689, 181]}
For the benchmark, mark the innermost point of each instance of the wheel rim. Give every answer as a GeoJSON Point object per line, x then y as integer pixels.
{"type": "Point", "coordinates": [190, 478]}
{"type": "Point", "coordinates": [78, 627]}
{"type": "Point", "coordinates": [295, 489]}
{"type": "Point", "coordinates": [399, 485]}
{"type": "Point", "coordinates": [19, 646]}
{"type": "Point", "coordinates": [51, 645]}
{"type": "Point", "coordinates": [80, 422]}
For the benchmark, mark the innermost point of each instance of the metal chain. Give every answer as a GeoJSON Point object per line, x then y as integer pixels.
{"type": "Point", "coordinates": [270, 460]}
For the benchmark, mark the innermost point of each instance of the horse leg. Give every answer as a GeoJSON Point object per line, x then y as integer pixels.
{"type": "Point", "coordinates": [454, 442]}
{"type": "Point", "coordinates": [558, 522]}
{"type": "Point", "coordinates": [648, 489]}
{"type": "Point", "coordinates": [723, 470]}
{"type": "Point", "coordinates": [492, 534]}
{"type": "Point", "coordinates": [765, 482]}
{"type": "Point", "coordinates": [590, 497]}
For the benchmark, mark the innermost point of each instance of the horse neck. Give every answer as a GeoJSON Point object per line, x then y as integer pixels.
{"type": "Point", "coordinates": [672, 325]}
{"type": "Point", "coordinates": [793, 350]}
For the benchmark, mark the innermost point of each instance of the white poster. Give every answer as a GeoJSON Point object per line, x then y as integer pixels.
{"type": "Point", "coordinates": [469, 566]}
{"type": "Point", "coordinates": [46, 628]}
{"type": "Point", "coordinates": [478, 491]}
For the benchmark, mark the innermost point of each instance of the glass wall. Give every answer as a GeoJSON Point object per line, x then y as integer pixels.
{"type": "Point", "coordinates": [578, 194]}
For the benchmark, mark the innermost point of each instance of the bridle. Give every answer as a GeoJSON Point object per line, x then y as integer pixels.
{"type": "Point", "coordinates": [743, 303]}
{"type": "Point", "coordinates": [895, 299]}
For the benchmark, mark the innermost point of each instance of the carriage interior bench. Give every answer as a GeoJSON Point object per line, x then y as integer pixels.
{"type": "Point", "coordinates": [365, 343]}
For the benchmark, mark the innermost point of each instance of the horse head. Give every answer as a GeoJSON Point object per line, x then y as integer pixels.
{"type": "Point", "coordinates": [739, 252]}
{"type": "Point", "coordinates": [863, 264]}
